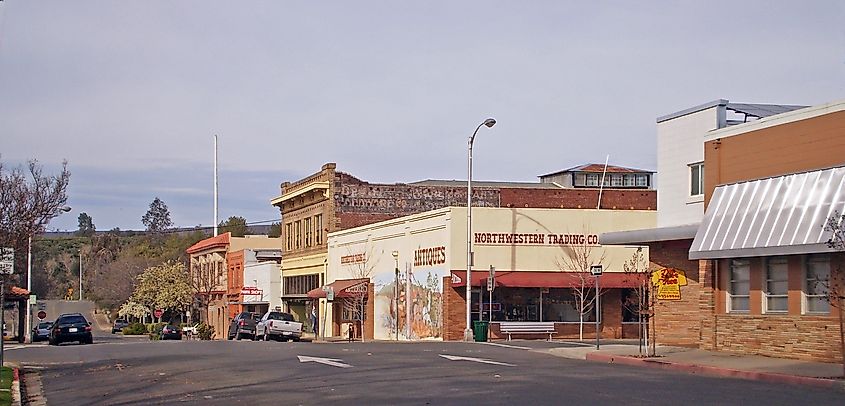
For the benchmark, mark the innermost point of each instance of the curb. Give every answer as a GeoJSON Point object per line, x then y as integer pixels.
{"type": "Point", "coordinates": [717, 371]}
{"type": "Point", "coordinates": [16, 387]}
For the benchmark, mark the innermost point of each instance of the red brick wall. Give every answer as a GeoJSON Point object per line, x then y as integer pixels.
{"type": "Point", "coordinates": [629, 199]}
{"type": "Point", "coordinates": [795, 337]}
{"type": "Point", "coordinates": [454, 311]}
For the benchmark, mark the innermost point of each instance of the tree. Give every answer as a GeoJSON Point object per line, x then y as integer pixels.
{"type": "Point", "coordinates": [833, 287]}
{"type": "Point", "coordinates": [579, 258]}
{"type": "Point", "coordinates": [28, 201]}
{"type": "Point", "coordinates": [641, 301]}
{"type": "Point", "coordinates": [163, 287]}
{"type": "Point", "coordinates": [157, 218]}
{"type": "Point", "coordinates": [235, 225]}
{"type": "Point", "coordinates": [133, 309]}
{"type": "Point", "coordinates": [275, 230]}
{"type": "Point", "coordinates": [86, 225]}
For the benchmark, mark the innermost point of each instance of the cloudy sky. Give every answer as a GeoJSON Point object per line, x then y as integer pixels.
{"type": "Point", "coordinates": [131, 93]}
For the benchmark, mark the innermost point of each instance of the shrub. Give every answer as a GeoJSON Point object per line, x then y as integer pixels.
{"type": "Point", "coordinates": [135, 329]}
{"type": "Point", "coordinates": [155, 327]}
{"type": "Point", "coordinates": [205, 331]}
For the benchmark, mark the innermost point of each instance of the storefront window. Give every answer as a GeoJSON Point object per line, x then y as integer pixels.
{"type": "Point", "coordinates": [818, 277]}
{"type": "Point", "coordinates": [776, 285]}
{"type": "Point", "coordinates": [525, 304]}
{"type": "Point", "coordinates": [739, 288]}
{"type": "Point", "coordinates": [630, 306]}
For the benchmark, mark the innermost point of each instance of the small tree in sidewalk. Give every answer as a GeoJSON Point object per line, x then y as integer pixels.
{"type": "Point", "coordinates": [356, 304]}
{"type": "Point", "coordinates": [832, 285]}
{"type": "Point", "coordinates": [577, 260]}
{"type": "Point", "coordinates": [641, 299]}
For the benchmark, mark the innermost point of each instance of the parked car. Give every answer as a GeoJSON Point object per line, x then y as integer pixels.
{"type": "Point", "coordinates": [71, 327]}
{"type": "Point", "coordinates": [170, 332]}
{"type": "Point", "coordinates": [278, 325]}
{"type": "Point", "coordinates": [118, 326]}
{"type": "Point", "coordinates": [41, 331]}
{"type": "Point", "coordinates": [243, 325]}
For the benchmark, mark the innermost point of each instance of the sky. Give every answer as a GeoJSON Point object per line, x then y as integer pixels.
{"type": "Point", "coordinates": [132, 93]}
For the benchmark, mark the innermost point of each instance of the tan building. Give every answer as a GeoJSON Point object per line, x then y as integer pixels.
{"type": "Point", "coordinates": [534, 252]}
{"type": "Point", "coordinates": [209, 273]}
{"type": "Point", "coordinates": [758, 263]}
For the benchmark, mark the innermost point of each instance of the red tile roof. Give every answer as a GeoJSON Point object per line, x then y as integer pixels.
{"type": "Point", "coordinates": [599, 168]}
{"type": "Point", "coordinates": [221, 241]}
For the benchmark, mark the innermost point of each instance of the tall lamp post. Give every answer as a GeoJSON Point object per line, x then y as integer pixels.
{"type": "Point", "coordinates": [468, 332]}
{"type": "Point", "coordinates": [396, 291]}
{"type": "Point", "coordinates": [28, 333]}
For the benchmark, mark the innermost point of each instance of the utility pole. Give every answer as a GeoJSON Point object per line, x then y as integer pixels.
{"type": "Point", "coordinates": [80, 274]}
{"type": "Point", "coordinates": [215, 185]}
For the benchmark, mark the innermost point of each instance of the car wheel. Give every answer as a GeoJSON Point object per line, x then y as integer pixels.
{"type": "Point", "coordinates": [238, 335]}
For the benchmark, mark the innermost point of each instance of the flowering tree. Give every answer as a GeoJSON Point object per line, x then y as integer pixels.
{"type": "Point", "coordinates": [163, 287]}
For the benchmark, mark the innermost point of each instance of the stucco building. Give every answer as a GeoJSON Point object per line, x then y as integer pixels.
{"type": "Point", "coordinates": [411, 271]}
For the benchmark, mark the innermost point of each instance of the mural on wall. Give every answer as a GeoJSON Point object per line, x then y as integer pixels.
{"type": "Point", "coordinates": [425, 306]}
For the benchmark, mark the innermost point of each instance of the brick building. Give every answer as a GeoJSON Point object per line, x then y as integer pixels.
{"type": "Point", "coordinates": [330, 200]}
{"type": "Point", "coordinates": [759, 256]}
{"type": "Point", "coordinates": [216, 272]}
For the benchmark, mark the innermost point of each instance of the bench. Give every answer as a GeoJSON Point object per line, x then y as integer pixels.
{"type": "Point", "coordinates": [527, 327]}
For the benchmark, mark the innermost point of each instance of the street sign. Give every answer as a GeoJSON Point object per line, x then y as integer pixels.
{"type": "Point", "coordinates": [42, 315]}
{"type": "Point", "coordinates": [596, 270]}
{"type": "Point", "coordinates": [330, 294]}
{"type": "Point", "coordinates": [251, 290]}
{"type": "Point", "coordinates": [32, 300]}
{"type": "Point", "coordinates": [158, 313]}
{"type": "Point", "coordinates": [490, 283]}
{"type": "Point", "coordinates": [7, 261]}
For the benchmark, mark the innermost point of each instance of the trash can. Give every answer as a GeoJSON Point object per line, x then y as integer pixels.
{"type": "Point", "coordinates": [479, 330]}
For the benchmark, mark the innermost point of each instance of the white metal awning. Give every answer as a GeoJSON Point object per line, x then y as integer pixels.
{"type": "Point", "coordinates": [774, 216]}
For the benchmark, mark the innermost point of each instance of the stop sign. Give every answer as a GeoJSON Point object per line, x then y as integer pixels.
{"type": "Point", "coordinates": [158, 313]}
{"type": "Point", "coordinates": [42, 315]}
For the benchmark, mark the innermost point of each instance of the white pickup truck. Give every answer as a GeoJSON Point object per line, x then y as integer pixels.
{"type": "Point", "coordinates": [278, 325]}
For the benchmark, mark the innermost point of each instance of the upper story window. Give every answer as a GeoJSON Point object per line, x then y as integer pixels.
{"type": "Point", "coordinates": [592, 179]}
{"type": "Point", "coordinates": [642, 180]}
{"type": "Point", "coordinates": [739, 287]}
{"type": "Point", "coordinates": [298, 237]}
{"type": "Point", "coordinates": [817, 279]}
{"type": "Point", "coordinates": [616, 180]}
{"type": "Point", "coordinates": [308, 232]}
{"type": "Point", "coordinates": [630, 180]}
{"type": "Point", "coordinates": [288, 237]}
{"type": "Point", "coordinates": [318, 228]}
{"type": "Point", "coordinates": [696, 172]}
{"type": "Point", "coordinates": [776, 286]}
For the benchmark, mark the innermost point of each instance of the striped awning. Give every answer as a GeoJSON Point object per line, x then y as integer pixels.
{"type": "Point", "coordinates": [775, 216]}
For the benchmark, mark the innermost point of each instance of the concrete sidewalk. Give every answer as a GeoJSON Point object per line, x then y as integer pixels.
{"type": "Point", "coordinates": [714, 363]}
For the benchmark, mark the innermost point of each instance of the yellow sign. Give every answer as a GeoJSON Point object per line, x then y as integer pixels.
{"type": "Point", "coordinates": [668, 282]}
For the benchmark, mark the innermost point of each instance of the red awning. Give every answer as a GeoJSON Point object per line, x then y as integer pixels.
{"type": "Point", "coordinates": [536, 279]}
{"type": "Point", "coordinates": [342, 288]}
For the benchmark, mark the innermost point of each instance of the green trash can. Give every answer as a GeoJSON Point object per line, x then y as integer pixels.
{"type": "Point", "coordinates": [479, 330]}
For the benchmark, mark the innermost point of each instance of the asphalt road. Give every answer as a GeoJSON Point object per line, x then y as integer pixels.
{"type": "Point", "coordinates": [128, 371]}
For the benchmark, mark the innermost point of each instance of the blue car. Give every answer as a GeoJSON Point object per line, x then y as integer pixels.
{"type": "Point", "coordinates": [41, 331]}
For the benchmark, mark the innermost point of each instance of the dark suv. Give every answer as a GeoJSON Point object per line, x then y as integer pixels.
{"type": "Point", "coordinates": [243, 325]}
{"type": "Point", "coordinates": [71, 327]}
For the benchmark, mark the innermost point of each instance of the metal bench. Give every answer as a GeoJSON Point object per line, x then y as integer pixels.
{"type": "Point", "coordinates": [527, 327]}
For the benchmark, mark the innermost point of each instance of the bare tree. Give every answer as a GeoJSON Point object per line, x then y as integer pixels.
{"type": "Point", "coordinates": [833, 287]}
{"type": "Point", "coordinates": [579, 258]}
{"type": "Point", "coordinates": [641, 299]}
{"type": "Point", "coordinates": [28, 201]}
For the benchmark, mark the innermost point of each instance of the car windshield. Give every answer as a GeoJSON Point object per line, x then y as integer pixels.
{"type": "Point", "coordinates": [279, 316]}
{"type": "Point", "coordinates": [72, 319]}
{"type": "Point", "coordinates": [44, 325]}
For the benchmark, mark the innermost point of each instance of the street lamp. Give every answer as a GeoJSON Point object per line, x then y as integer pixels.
{"type": "Point", "coordinates": [27, 333]}
{"type": "Point", "coordinates": [396, 291]}
{"type": "Point", "coordinates": [468, 332]}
